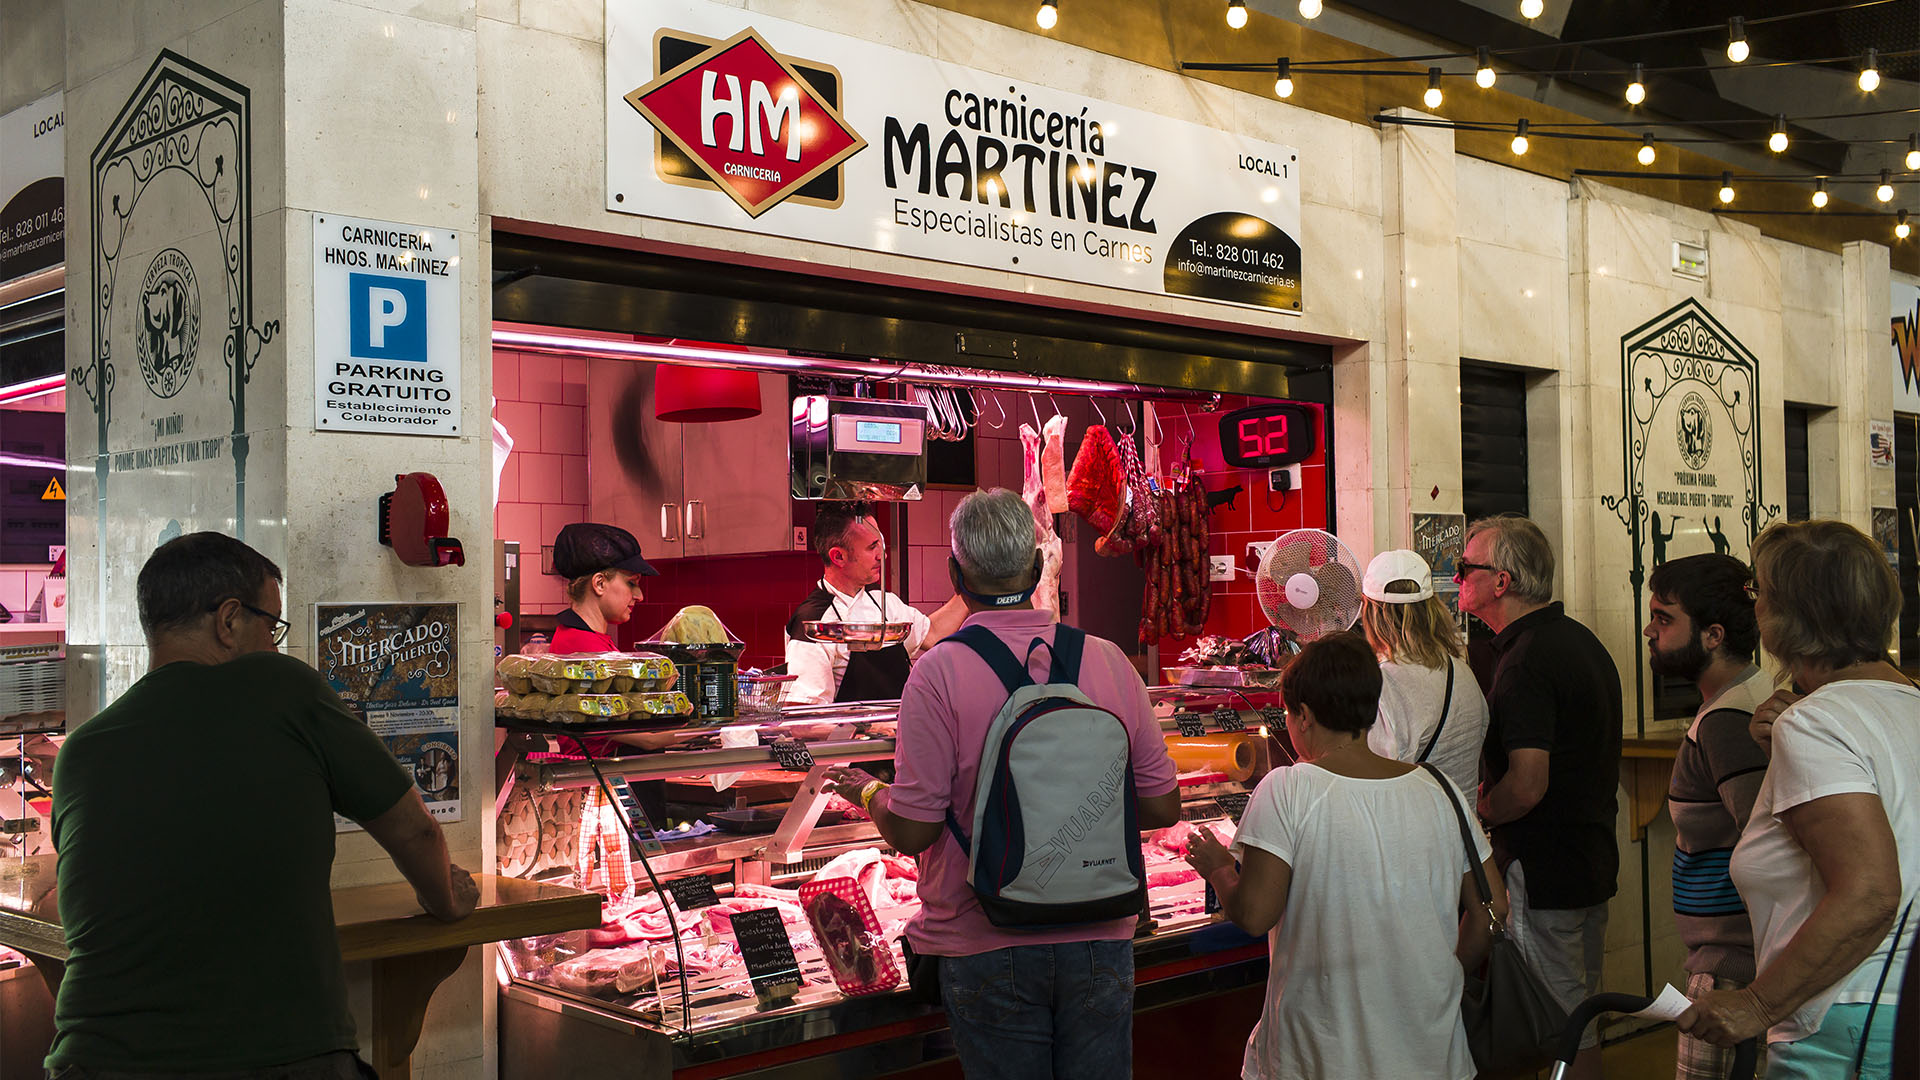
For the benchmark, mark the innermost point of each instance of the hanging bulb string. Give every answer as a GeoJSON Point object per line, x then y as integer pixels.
{"type": "Point", "coordinates": [1537, 128]}
{"type": "Point", "coordinates": [1339, 67]}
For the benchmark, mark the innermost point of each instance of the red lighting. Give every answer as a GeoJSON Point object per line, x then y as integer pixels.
{"type": "Point", "coordinates": [704, 395]}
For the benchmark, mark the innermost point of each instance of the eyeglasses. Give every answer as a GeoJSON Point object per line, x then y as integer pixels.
{"type": "Point", "coordinates": [1461, 568]}
{"type": "Point", "coordinates": [1753, 590]}
{"type": "Point", "coordinates": [280, 625]}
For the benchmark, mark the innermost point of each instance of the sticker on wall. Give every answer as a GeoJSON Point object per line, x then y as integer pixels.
{"type": "Point", "coordinates": [1880, 443]}
{"type": "Point", "coordinates": [398, 666]}
{"type": "Point", "coordinates": [386, 327]}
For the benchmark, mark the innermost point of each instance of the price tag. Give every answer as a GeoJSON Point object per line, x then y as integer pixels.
{"type": "Point", "coordinates": [1190, 723]}
{"type": "Point", "coordinates": [639, 824]}
{"type": "Point", "coordinates": [1234, 803]}
{"type": "Point", "coordinates": [693, 893]}
{"type": "Point", "coordinates": [792, 754]}
{"type": "Point", "coordinates": [1275, 718]}
{"type": "Point", "coordinates": [1226, 719]}
{"type": "Point", "coordinates": [768, 952]}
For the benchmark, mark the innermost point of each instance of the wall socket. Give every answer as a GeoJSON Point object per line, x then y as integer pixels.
{"type": "Point", "coordinates": [1219, 568]}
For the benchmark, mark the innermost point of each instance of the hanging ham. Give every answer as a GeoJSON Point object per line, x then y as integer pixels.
{"type": "Point", "coordinates": [1095, 489]}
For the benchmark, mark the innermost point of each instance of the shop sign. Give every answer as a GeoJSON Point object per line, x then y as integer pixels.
{"type": "Point", "coordinates": [398, 666]}
{"type": "Point", "coordinates": [1906, 347]}
{"type": "Point", "coordinates": [386, 327]}
{"type": "Point", "coordinates": [33, 187]}
{"type": "Point", "coordinates": [720, 117]}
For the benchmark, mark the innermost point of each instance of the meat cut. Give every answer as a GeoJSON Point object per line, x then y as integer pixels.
{"type": "Point", "coordinates": [1033, 489]}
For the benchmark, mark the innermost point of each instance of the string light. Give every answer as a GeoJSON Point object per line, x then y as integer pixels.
{"type": "Point", "coordinates": [1900, 226]}
{"type": "Point", "coordinates": [1885, 191]}
{"type": "Point", "coordinates": [1048, 15]}
{"type": "Point", "coordinates": [1520, 137]}
{"type": "Point", "coordinates": [1283, 85]}
{"type": "Point", "coordinates": [1870, 71]}
{"type": "Point", "coordinates": [1820, 195]}
{"type": "Point", "coordinates": [1737, 50]}
{"type": "Point", "coordinates": [1433, 99]}
{"type": "Point", "coordinates": [1236, 13]}
{"type": "Point", "coordinates": [1726, 187]}
{"type": "Point", "coordinates": [1531, 9]}
{"type": "Point", "coordinates": [1484, 76]}
{"type": "Point", "coordinates": [1913, 153]}
{"type": "Point", "coordinates": [1646, 149]}
{"type": "Point", "coordinates": [1637, 89]}
{"type": "Point", "coordinates": [1309, 9]}
{"type": "Point", "coordinates": [1777, 142]}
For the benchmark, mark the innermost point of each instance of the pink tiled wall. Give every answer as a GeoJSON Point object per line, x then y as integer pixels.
{"type": "Point", "coordinates": [542, 401]}
{"type": "Point", "coordinates": [20, 585]}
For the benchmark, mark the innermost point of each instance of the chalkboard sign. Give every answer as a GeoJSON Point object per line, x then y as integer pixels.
{"type": "Point", "coordinates": [1190, 724]}
{"type": "Point", "coordinates": [768, 951]}
{"type": "Point", "coordinates": [792, 754]}
{"type": "Point", "coordinates": [1226, 719]}
{"type": "Point", "coordinates": [1234, 803]}
{"type": "Point", "coordinates": [639, 825]}
{"type": "Point", "coordinates": [1275, 718]}
{"type": "Point", "coordinates": [693, 893]}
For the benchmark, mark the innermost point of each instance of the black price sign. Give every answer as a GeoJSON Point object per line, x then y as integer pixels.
{"type": "Point", "coordinates": [792, 754]}
{"type": "Point", "coordinates": [768, 951]}
{"type": "Point", "coordinates": [1234, 803]}
{"type": "Point", "coordinates": [1275, 718]}
{"type": "Point", "coordinates": [1190, 723]}
{"type": "Point", "coordinates": [693, 893]}
{"type": "Point", "coordinates": [1226, 719]}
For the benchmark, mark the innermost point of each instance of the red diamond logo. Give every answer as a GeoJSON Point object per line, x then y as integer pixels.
{"type": "Point", "coordinates": [749, 120]}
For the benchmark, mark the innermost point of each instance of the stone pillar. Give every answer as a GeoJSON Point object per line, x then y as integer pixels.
{"type": "Point", "coordinates": [1863, 389]}
{"type": "Point", "coordinates": [204, 138]}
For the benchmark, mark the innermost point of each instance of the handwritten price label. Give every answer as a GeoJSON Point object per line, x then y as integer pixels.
{"type": "Point", "coordinates": [1226, 719]}
{"type": "Point", "coordinates": [1190, 724]}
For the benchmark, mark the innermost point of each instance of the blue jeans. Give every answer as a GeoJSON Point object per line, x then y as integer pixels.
{"type": "Point", "coordinates": [1042, 1012]}
{"type": "Point", "coordinates": [1829, 1051]}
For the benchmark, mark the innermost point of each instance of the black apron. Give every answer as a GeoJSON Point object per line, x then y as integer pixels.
{"type": "Point", "coordinates": [871, 675]}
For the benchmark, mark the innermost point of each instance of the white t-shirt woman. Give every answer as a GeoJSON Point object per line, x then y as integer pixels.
{"type": "Point", "coordinates": [1364, 983]}
{"type": "Point", "coordinates": [1411, 697]}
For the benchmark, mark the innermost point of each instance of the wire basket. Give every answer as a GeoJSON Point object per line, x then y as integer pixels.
{"type": "Point", "coordinates": [762, 695]}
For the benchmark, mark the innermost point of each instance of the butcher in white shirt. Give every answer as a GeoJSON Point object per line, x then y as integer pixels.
{"type": "Point", "coordinates": [852, 552]}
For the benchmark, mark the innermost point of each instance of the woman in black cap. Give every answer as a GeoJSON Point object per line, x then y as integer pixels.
{"type": "Point", "coordinates": [603, 568]}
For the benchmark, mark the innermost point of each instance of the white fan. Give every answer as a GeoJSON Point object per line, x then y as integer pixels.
{"type": "Point", "coordinates": [1309, 583]}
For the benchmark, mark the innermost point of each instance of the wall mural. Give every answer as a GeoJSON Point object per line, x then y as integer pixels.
{"type": "Point", "coordinates": [172, 303]}
{"type": "Point", "coordinates": [1690, 428]}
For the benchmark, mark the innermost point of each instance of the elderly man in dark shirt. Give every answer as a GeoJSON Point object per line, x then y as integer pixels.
{"type": "Point", "coordinates": [1552, 760]}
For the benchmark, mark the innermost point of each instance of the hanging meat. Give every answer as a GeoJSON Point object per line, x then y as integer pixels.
{"type": "Point", "coordinates": [1053, 463]}
{"type": "Point", "coordinates": [1098, 482]}
{"type": "Point", "coordinates": [1138, 523]}
{"type": "Point", "coordinates": [1033, 489]}
{"type": "Point", "coordinates": [1177, 597]}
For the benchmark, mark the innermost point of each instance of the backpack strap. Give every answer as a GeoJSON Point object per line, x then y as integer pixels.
{"type": "Point", "coordinates": [1069, 643]}
{"type": "Point", "coordinates": [988, 646]}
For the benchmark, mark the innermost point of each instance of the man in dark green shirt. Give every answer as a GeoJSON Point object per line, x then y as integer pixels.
{"type": "Point", "coordinates": [194, 821]}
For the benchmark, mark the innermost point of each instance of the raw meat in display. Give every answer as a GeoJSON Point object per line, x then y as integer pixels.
{"type": "Point", "coordinates": [602, 970]}
{"type": "Point", "coordinates": [1169, 878]}
{"type": "Point", "coordinates": [1097, 486]}
{"type": "Point", "coordinates": [1053, 464]}
{"type": "Point", "coordinates": [841, 935]}
{"type": "Point", "coordinates": [863, 865]}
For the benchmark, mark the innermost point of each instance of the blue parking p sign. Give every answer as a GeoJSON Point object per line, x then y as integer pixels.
{"type": "Point", "coordinates": [389, 317]}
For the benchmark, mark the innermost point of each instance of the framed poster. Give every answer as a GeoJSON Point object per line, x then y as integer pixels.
{"type": "Point", "coordinates": [398, 666]}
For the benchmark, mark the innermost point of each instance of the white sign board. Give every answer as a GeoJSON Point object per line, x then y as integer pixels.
{"type": "Point", "coordinates": [386, 327]}
{"type": "Point", "coordinates": [1905, 343]}
{"type": "Point", "coordinates": [721, 116]}
{"type": "Point", "coordinates": [33, 169]}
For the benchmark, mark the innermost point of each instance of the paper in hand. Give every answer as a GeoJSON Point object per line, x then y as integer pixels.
{"type": "Point", "coordinates": [1668, 1006]}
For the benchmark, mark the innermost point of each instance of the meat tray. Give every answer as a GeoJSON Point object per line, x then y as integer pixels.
{"type": "Point", "coordinates": [847, 633]}
{"type": "Point", "coordinates": [1265, 678]}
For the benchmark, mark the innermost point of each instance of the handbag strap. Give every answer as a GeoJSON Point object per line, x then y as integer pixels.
{"type": "Point", "coordinates": [1446, 706]}
{"type": "Point", "coordinates": [1860, 1054]}
{"type": "Point", "coordinates": [1466, 838]}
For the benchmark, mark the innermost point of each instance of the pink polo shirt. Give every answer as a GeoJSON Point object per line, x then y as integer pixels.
{"type": "Point", "coordinates": [948, 704]}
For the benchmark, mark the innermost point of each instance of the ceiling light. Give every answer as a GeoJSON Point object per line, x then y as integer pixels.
{"type": "Point", "coordinates": [1726, 187]}
{"type": "Point", "coordinates": [1637, 89]}
{"type": "Point", "coordinates": [1870, 71]}
{"type": "Point", "coordinates": [1646, 149]}
{"type": "Point", "coordinates": [1283, 85]}
{"type": "Point", "coordinates": [1048, 15]}
{"type": "Point", "coordinates": [1432, 97]}
{"type": "Point", "coordinates": [1885, 191]}
{"type": "Point", "coordinates": [1913, 153]}
{"type": "Point", "coordinates": [1777, 142]}
{"type": "Point", "coordinates": [1737, 40]}
{"type": "Point", "coordinates": [1236, 13]}
{"type": "Point", "coordinates": [1531, 9]}
{"type": "Point", "coordinates": [1900, 226]}
{"type": "Point", "coordinates": [1820, 195]}
{"type": "Point", "coordinates": [1519, 143]}
{"type": "Point", "coordinates": [1309, 9]}
{"type": "Point", "coordinates": [1484, 76]}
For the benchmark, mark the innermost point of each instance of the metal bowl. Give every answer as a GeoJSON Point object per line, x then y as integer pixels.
{"type": "Point", "coordinates": [851, 633]}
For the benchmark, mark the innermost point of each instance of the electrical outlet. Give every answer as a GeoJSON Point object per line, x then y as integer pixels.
{"type": "Point", "coordinates": [1287, 479]}
{"type": "Point", "coordinates": [799, 538]}
{"type": "Point", "coordinates": [1219, 568]}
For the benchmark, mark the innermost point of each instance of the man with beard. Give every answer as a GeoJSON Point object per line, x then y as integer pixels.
{"type": "Point", "coordinates": [1702, 628]}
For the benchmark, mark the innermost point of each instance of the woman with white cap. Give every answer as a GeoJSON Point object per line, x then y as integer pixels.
{"type": "Point", "coordinates": [1431, 707]}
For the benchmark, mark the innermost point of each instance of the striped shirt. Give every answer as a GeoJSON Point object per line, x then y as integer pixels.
{"type": "Point", "coordinates": [1716, 775]}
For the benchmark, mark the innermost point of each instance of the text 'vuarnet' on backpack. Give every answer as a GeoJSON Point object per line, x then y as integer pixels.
{"type": "Point", "coordinates": [1056, 836]}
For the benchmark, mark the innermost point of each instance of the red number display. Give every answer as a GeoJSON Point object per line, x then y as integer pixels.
{"type": "Point", "coordinates": [1261, 436]}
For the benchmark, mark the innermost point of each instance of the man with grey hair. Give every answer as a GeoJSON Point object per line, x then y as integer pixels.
{"type": "Point", "coordinates": [1051, 1002]}
{"type": "Point", "coordinates": [1551, 758]}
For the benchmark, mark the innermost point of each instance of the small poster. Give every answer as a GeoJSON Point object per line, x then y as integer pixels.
{"type": "Point", "coordinates": [1439, 539]}
{"type": "Point", "coordinates": [1880, 443]}
{"type": "Point", "coordinates": [1886, 533]}
{"type": "Point", "coordinates": [398, 666]}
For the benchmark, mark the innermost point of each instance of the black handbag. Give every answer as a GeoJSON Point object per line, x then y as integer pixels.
{"type": "Point", "coordinates": [1512, 1021]}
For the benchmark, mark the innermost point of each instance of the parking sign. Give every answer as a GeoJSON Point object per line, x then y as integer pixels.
{"type": "Point", "coordinates": [386, 327]}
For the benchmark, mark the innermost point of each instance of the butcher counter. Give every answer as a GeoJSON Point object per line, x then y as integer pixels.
{"type": "Point", "coordinates": [1195, 974]}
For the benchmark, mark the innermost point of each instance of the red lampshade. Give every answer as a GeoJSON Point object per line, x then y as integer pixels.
{"type": "Point", "coordinates": [703, 395]}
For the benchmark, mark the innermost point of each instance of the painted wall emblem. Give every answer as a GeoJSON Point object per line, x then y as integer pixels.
{"type": "Point", "coordinates": [1695, 431]}
{"type": "Point", "coordinates": [170, 322]}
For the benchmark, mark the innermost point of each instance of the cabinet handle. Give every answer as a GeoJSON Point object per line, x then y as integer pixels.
{"type": "Point", "coordinates": [699, 532]}
{"type": "Point", "coordinates": [669, 521]}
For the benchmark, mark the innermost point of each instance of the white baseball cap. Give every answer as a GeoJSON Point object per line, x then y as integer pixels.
{"type": "Point", "coordinates": [1398, 565]}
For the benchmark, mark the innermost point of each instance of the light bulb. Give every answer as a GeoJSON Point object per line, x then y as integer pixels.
{"type": "Point", "coordinates": [1484, 76]}
{"type": "Point", "coordinates": [1283, 84]}
{"type": "Point", "coordinates": [1432, 97]}
{"type": "Point", "coordinates": [1885, 191]}
{"type": "Point", "coordinates": [1913, 153]}
{"type": "Point", "coordinates": [1870, 72]}
{"type": "Point", "coordinates": [1236, 13]}
{"type": "Point", "coordinates": [1777, 142]}
{"type": "Point", "coordinates": [1531, 9]}
{"type": "Point", "coordinates": [1519, 143]}
{"type": "Point", "coordinates": [1726, 187]}
{"type": "Point", "coordinates": [1820, 195]}
{"type": "Point", "coordinates": [1737, 40]}
{"type": "Point", "coordinates": [1048, 15]}
{"type": "Point", "coordinates": [1646, 150]}
{"type": "Point", "coordinates": [1900, 227]}
{"type": "Point", "coordinates": [1309, 9]}
{"type": "Point", "coordinates": [1636, 92]}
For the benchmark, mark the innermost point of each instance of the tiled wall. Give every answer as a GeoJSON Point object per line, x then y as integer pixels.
{"type": "Point", "coordinates": [542, 401]}
{"type": "Point", "coordinates": [20, 585]}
